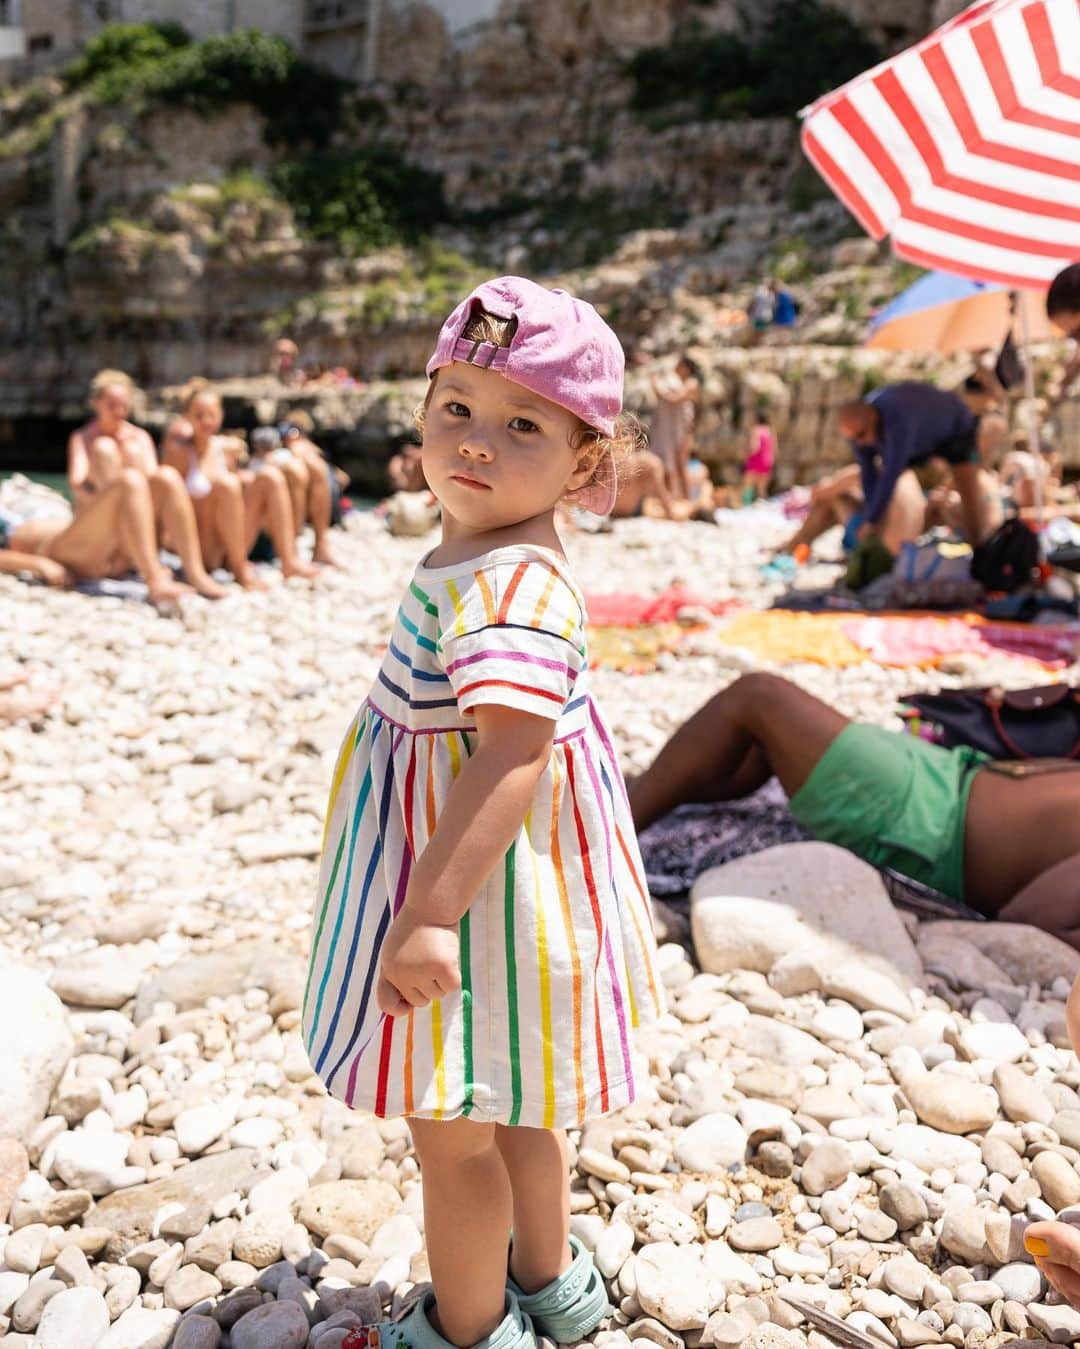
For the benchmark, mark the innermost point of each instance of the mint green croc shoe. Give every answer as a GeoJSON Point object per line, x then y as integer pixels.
{"type": "Point", "coordinates": [571, 1306]}
{"type": "Point", "coordinates": [415, 1331]}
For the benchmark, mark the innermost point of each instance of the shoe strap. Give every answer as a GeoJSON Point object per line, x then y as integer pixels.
{"type": "Point", "coordinates": [565, 1290]}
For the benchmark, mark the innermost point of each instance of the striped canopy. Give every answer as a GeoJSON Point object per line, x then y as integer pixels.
{"type": "Point", "coordinates": [966, 147]}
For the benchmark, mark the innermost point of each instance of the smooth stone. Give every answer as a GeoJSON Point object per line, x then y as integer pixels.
{"type": "Point", "coordinates": [202, 1125]}
{"type": "Point", "coordinates": [1022, 1097]}
{"type": "Point", "coordinates": [217, 974]}
{"type": "Point", "coordinates": [129, 1214]}
{"type": "Point", "coordinates": [904, 1204]}
{"type": "Point", "coordinates": [827, 1166]}
{"type": "Point", "coordinates": [711, 1144]}
{"type": "Point", "coordinates": [105, 976]}
{"type": "Point", "coordinates": [952, 1104]}
{"type": "Point", "coordinates": [188, 1286]}
{"type": "Point", "coordinates": [877, 1226]}
{"type": "Point", "coordinates": [1066, 1124]}
{"type": "Point", "coordinates": [1025, 954]}
{"type": "Point", "coordinates": [14, 1168]}
{"type": "Point", "coordinates": [671, 1285]}
{"type": "Point", "coordinates": [12, 1286]}
{"type": "Point", "coordinates": [749, 913]}
{"type": "Point", "coordinates": [963, 1233]}
{"type": "Point", "coordinates": [197, 1332]}
{"type": "Point", "coordinates": [991, 1040]}
{"type": "Point", "coordinates": [1019, 1283]}
{"type": "Point", "coordinates": [277, 1325]}
{"type": "Point", "coordinates": [998, 1156]}
{"type": "Point", "coordinates": [88, 1160]}
{"type": "Point", "coordinates": [1057, 1178]}
{"type": "Point", "coordinates": [132, 922]}
{"type": "Point", "coordinates": [755, 1234]}
{"type": "Point", "coordinates": [969, 1317]}
{"type": "Point", "coordinates": [77, 1318]}
{"type": "Point", "coordinates": [1060, 1324]}
{"type": "Point", "coordinates": [355, 1208]}
{"type": "Point", "coordinates": [29, 1306]}
{"type": "Point", "coordinates": [613, 1248]}
{"type": "Point", "coordinates": [763, 1038]}
{"type": "Point", "coordinates": [38, 1042]}
{"type": "Point", "coordinates": [905, 1277]}
{"type": "Point", "coordinates": [827, 1105]}
{"type": "Point", "coordinates": [929, 1149]}
{"type": "Point", "coordinates": [728, 1270]}
{"type": "Point", "coordinates": [22, 1250]}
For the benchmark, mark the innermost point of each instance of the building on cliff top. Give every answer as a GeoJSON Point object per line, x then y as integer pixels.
{"type": "Point", "coordinates": [341, 34]}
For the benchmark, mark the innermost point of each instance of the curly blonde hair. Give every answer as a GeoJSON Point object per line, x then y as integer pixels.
{"type": "Point", "coordinates": [625, 440]}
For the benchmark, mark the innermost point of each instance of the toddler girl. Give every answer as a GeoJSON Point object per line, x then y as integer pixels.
{"type": "Point", "coordinates": [482, 943]}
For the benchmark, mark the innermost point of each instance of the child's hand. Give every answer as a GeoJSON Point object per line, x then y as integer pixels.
{"type": "Point", "coordinates": [418, 965]}
{"type": "Point", "coordinates": [1056, 1248]}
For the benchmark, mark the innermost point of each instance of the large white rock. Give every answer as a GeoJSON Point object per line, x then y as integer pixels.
{"type": "Point", "coordinates": [106, 976]}
{"type": "Point", "coordinates": [799, 897]}
{"type": "Point", "coordinates": [926, 1148]}
{"type": "Point", "coordinates": [141, 1328]}
{"type": "Point", "coordinates": [676, 1286]}
{"type": "Point", "coordinates": [1026, 954]}
{"type": "Point", "coordinates": [711, 1144]}
{"type": "Point", "coordinates": [77, 1318]}
{"type": "Point", "coordinates": [37, 1043]}
{"type": "Point", "coordinates": [93, 1160]}
{"type": "Point", "coordinates": [951, 1103]}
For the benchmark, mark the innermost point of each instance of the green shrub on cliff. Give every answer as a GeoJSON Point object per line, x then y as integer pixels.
{"type": "Point", "coordinates": [807, 48]}
{"type": "Point", "coordinates": [302, 103]}
{"type": "Point", "coordinates": [362, 199]}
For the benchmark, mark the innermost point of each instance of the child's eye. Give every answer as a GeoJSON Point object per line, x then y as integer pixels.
{"type": "Point", "coordinates": [456, 409]}
{"type": "Point", "coordinates": [523, 424]}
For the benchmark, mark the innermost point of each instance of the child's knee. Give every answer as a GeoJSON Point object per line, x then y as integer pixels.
{"type": "Point", "coordinates": [451, 1142]}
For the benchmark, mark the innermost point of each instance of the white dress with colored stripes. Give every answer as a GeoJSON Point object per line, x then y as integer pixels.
{"type": "Point", "coordinates": [557, 951]}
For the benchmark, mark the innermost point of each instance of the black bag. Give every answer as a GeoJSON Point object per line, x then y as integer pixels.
{"type": "Point", "coordinates": [1009, 367]}
{"type": "Point", "coordinates": [1006, 560]}
{"type": "Point", "coordinates": [1039, 723]}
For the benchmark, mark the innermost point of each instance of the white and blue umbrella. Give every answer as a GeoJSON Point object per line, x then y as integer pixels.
{"type": "Point", "coordinates": [942, 312]}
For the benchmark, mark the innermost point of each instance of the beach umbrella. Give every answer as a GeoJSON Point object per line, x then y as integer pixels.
{"type": "Point", "coordinates": [942, 312]}
{"type": "Point", "coordinates": [965, 148]}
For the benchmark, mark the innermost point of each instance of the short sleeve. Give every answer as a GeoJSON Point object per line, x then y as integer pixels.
{"type": "Point", "coordinates": [512, 634]}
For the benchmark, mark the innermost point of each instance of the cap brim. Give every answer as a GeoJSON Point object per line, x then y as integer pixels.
{"type": "Point", "coordinates": [599, 493]}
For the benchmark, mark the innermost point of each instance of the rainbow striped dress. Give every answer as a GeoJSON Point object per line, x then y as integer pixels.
{"type": "Point", "coordinates": [557, 951]}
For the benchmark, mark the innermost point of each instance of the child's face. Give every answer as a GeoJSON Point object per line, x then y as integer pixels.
{"type": "Point", "coordinates": [495, 454]}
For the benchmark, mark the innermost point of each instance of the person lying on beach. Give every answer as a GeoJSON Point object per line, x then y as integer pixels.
{"type": "Point", "coordinates": [231, 509]}
{"type": "Point", "coordinates": [643, 490]}
{"type": "Point", "coordinates": [932, 814]}
{"type": "Point", "coordinates": [99, 452]}
{"type": "Point", "coordinates": [111, 536]}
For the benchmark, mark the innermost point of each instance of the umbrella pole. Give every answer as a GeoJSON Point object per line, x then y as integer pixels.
{"type": "Point", "coordinates": [1032, 412]}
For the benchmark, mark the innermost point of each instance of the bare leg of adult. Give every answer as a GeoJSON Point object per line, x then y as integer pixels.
{"type": "Point", "coordinates": [820, 518]}
{"type": "Point", "coordinates": [682, 471]}
{"type": "Point", "coordinates": [297, 477]}
{"type": "Point", "coordinates": [905, 515]}
{"type": "Point", "coordinates": [464, 1174]}
{"type": "Point", "coordinates": [223, 531]}
{"type": "Point", "coordinates": [320, 506]}
{"type": "Point", "coordinates": [267, 506]}
{"type": "Point", "coordinates": [175, 516]}
{"type": "Point", "coordinates": [974, 504]}
{"type": "Point", "coordinates": [789, 727]}
{"type": "Point", "coordinates": [122, 515]}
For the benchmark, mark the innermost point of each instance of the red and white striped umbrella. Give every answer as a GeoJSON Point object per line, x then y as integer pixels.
{"type": "Point", "coordinates": [966, 147]}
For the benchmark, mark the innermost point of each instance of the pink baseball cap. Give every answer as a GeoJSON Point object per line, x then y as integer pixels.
{"type": "Point", "coordinates": [562, 350]}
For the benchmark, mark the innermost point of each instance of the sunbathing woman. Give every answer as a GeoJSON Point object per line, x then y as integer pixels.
{"type": "Point", "coordinates": [109, 443]}
{"type": "Point", "coordinates": [112, 535]}
{"type": "Point", "coordinates": [932, 814]}
{"type": "Point", "coordinates": [231, 509]}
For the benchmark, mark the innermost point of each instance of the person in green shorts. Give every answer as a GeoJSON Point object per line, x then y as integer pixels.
{"type": "Point", "coordinates": [934, 815]}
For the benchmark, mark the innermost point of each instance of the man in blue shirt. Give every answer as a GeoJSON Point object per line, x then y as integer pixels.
{"type": "Point", "coordinates": [903, 425]}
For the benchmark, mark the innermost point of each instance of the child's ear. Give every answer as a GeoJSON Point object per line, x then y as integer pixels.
{"type": "Point", "coordinates": [588, 457]}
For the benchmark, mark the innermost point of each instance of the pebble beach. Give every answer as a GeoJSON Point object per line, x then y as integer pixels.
{"type": "Point", "coordinates": [866, 1138]}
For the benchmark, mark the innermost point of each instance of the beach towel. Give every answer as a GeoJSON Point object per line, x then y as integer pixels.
{"type": "Point", "coordinates": [625, 610]}
{"type": "Point", "coordinates": [904, 641]}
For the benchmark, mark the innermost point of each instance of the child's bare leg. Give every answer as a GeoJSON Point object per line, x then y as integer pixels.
{"type": "Point", "coordinates": [540, 1183]}
{"type": "Point", "coordinates": [467, 1215]}
{"type": "Point", "coordinates": [267, 505]}
{"type": "Point", "coordinates": [175, 515]}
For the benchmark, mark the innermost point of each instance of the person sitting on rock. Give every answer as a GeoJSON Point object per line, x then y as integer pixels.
{"type": "Point", "coordinates": [932, 814]}
{"type": "Point", "coordinates": [109, 443]}
{"type": "Point", "coordinates": [231, 508]}
{"type": "Point", "coordinates": [901, 426]}
{"type": "Point", "coordinates": [112, 535]}
{"type": "Point", "coordinates": [643, 490]}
